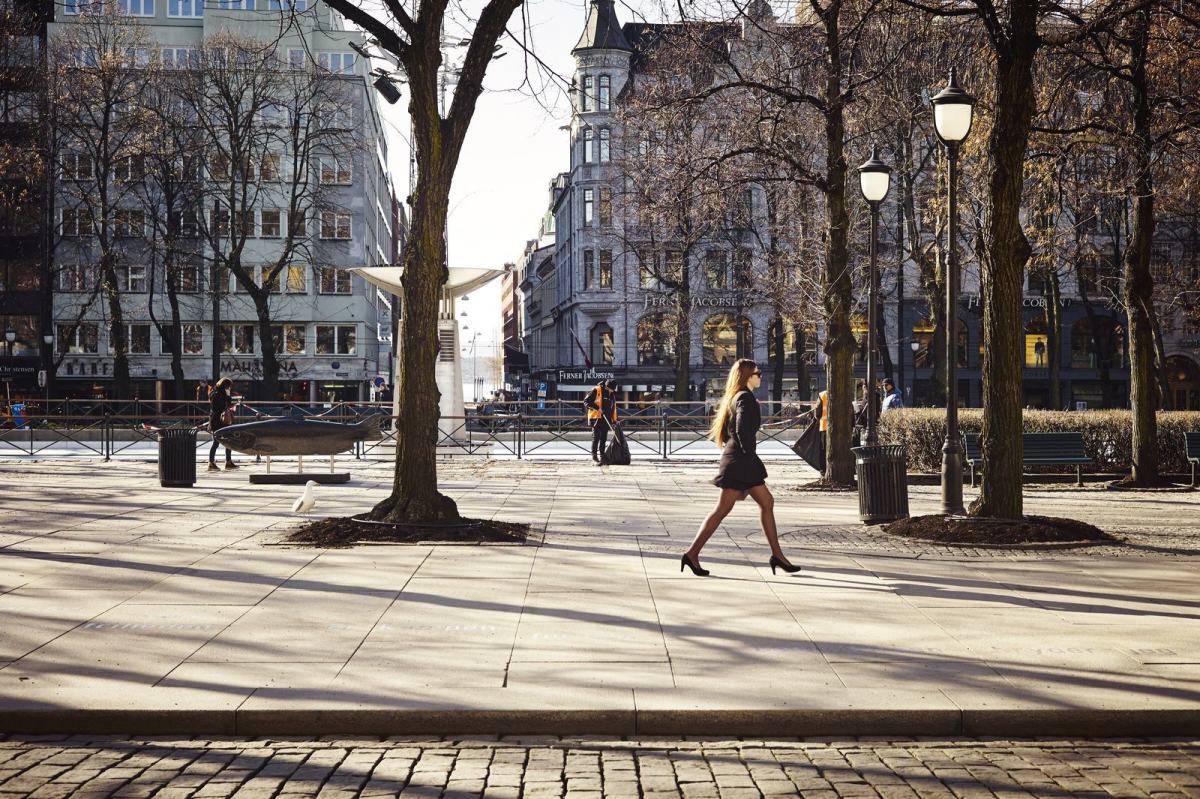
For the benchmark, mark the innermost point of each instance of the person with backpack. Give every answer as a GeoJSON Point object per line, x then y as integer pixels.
{"type": "Point", "coordinates": [742, 472]}
{"type": "Point", "coordinates": [601, 404]}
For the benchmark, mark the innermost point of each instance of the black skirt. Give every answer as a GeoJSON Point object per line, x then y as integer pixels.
{"type": "Point", "coordinates": [741, 469]}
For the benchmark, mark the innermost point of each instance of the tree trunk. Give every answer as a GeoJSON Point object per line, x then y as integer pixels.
{"type": "Point", "coordinates": [176, 339]}
{"type": "Point", "coordinates": [1166, 402]}
{"type": "Point", "coordinates": [780, 360]}
{"type": "Point", "coordinates": [1003, 270]}
{"type": "Point", "coordinates": [683, 349]}
{"type": "Point", "coordinates": [839, 292]}
{"type": "Point", "coordinates": [118, 338]}
{"type": "Point", "coordinates": [1139, 283]}
{"type": "Point", "coordinates": [1053, 315]}
{"type": "Point", "coordinates": [269, 385]}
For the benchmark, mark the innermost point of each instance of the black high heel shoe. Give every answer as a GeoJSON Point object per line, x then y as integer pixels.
{"type": "Point", "coordinates": [782, 564]}
{"type": "Point", "coordinates": [696, 570]}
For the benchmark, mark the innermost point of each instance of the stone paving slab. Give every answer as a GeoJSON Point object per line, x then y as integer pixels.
{"type": "Point", "coordinates": [465, 767]}
{"type": "Point", "coordinates": [129, 607]}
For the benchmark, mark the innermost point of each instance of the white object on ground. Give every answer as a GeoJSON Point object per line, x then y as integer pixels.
{"type": "Point", "coordinates": [307, 501]}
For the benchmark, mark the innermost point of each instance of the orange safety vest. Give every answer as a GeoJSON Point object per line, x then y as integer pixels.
{"type": "Point", "coordinates": [593, 414]}
{"type": "Point", "coordinates": [824, 397]}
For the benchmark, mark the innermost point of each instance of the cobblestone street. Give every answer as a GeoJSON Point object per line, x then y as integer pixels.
{"type": "Point", "coordinates": [593, 769]}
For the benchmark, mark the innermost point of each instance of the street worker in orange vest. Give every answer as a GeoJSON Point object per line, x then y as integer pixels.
{"type": "Point", "coordinates": [601, 404]}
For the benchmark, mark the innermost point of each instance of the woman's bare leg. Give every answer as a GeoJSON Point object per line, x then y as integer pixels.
{"type": "Point", "coordinates": [711, 522]}
{"type": "Point", "coordinates": [766, 505]}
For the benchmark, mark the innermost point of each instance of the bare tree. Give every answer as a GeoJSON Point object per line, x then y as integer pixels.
{"type": "Point", "coordinates": [100, 69]}
{"type": "Point", "coordinates": [414, 33]}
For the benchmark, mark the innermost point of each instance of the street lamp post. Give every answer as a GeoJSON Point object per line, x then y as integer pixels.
{"type": "Point", "coordinates": [10, 336]}
{"type": "Point", "coordinates": [874, 178]}
{"type": "Point", "coordinates": [915, 346]}
{"type": "Point", "coordinates": [48, 340]}
{"type": "Point", "coordinates": [952, 111]}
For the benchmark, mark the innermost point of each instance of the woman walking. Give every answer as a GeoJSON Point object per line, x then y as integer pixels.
{"type": "Point", "coordinates": [742, 472]}
{"type": "Point", "coordinates": [220, 403]}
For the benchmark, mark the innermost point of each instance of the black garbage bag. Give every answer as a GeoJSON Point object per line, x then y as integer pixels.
{"type": "Point", "coordinates": [808, 446]}
{"type": "Point", "coordinates": [617, 451]}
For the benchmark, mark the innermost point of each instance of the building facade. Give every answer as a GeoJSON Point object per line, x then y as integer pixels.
{"type": "Point", "coordinates": [330, 328]}
{"type": "Point", "coordinates": [593, 310]}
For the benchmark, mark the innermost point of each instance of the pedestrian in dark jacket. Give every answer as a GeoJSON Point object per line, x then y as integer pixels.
{"type": "Point", "coordinates": [742, 473]}
{"type": "Point", "coordinates": [601, 404]}
{"type": "Point", "coordinates": [220, 402]}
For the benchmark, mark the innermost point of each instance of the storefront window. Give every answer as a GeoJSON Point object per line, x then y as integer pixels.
{"type": "Point", "coordinates": [1097, 343]}
{"type": "Point", "coordinates": [1183, 374]}
{"type": "Point", "coordinates": [923, 332]}
{"type": "Point", "coordinates": [721, 339]}
{"type": "Point", "coordinates": [655, 340]}
{"type": "Point", "coordinates": [1036, 343]}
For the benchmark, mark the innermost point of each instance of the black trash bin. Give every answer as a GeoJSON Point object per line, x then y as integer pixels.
{"type": "Point", "coordinates": [882, 482]}
{"type": "Point", "coordinates": [177, 457]}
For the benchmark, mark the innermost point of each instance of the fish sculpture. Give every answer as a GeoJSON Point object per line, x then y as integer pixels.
{"type": "Point", "coordinates": [283, 436]}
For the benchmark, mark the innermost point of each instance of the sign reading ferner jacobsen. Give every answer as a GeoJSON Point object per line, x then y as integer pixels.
{"type": "Point", "coordinates": [734, 301]}
{"type": "Point", "coordinates": [586, 376]}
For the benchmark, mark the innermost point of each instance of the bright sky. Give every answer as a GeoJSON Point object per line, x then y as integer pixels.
{"type": "Point", "coordinates": [512, 152]}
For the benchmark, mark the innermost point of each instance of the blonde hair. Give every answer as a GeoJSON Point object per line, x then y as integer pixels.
{"type": "Point", "coordinates": [739, 375]}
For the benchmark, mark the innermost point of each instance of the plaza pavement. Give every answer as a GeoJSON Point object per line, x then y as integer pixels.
{"type": "Point", "coordinates": [126, 607]}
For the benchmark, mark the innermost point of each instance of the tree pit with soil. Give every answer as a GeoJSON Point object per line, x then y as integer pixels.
{"type": "Point", "coordinates": [827, 486]}
{"type": "Point", "coordinates": [978, 531]}
{"type": "Point", "coordinates": [342, 531]}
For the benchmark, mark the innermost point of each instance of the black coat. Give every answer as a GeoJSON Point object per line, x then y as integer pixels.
{"type": "Point", "coordinates": [741, 468]}
{"type": "Point", "coordinates": [218, 402]}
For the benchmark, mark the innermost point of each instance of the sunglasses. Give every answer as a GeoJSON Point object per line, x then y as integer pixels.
{"type": "Point", "coordinates": [756, 373]}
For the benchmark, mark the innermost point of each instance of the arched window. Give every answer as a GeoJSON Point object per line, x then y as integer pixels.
{"type": "Point", "coordinates": [602, 344]}
{"type": "Point", "coordinates": [656, 340]}
{"type": "Point", "coordinates": [1097, 343]}
{"type": "Point", "coordinates": [726, 339]}
{"type": "Point", "coordinates": [1183, 374]}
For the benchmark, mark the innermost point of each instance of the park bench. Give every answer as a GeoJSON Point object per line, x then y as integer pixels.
{"type": "Point", "coordinates": [1041, 449]}
{"type": "Point", "coordinates": [1191, 443]}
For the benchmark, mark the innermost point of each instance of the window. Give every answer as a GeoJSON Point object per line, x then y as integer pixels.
{"type": "Point", "coordinates": [716, 269]}
{"type": "Point", "coordinates": [295, 59]}
{"type": "Point", "coordinates": [218, 166]}
{"type": "Point", "coordinates": [18, 106]}
{"type": "Point", "coordinates": [187, 224]}
{"type": "Point", "coordinates": [585, 97]}
{"type": "Point", "coordinates": [187, 278]}
{"type": "Point", "coordinates": [129, 168]}
{"type": "Point", "coordinates": [129, 222]}
{"type": "Point", "coordinates": [655, 342]}
{"type": "Point", "coordinates": [269, 168]}
{"type": "Point", "coordinates": [336, 117]}
{"type": "Point", "coordinates": [589, 268]}
{"type": "Point", "coordinates": [75, 277]}
{"type": "Point", "coordinates": [81, 339]}
{"type": "Point", "coordinates": [180, 58]}
{"type": "Point", "coordinates": [137, 57]}
{"type": "Point", "coordinates": [289, 339]}
{"type": "Point", "coordinates": [602, 344]}
{"type": "Point", "coordinates": [335, 225]}
{"type": "Point", "coordinates": [193, 340]}
{"type": "Point", "coordinates": [138, 8]}
{"type": "Point", "coordinates": [589, 207]}
{"type": "Point", "coordinates": [605, 89]}
{"type": "Point", "coordinates": [237, 339]}
{"type": "Point", "coordinates": [727, 339]}
{"type": "Point", "coordinates": [297, 224]}
{"type": "Point", "coordinates": [185, 8]}
{"type": "Point", "coordinates": [606, 271]}
{"type": "Point", "coordinates": [219, 221]}
{"type": "Point", "coordinates": [589, 145]}
{"type": "Point", "coordinates": [648, 270]}
{"type": "Point", "coordinates": [235, 5]}
{"type": "Point", "coordinates": [296, 279]}
{"type": "Point", "coordinates": [247, 226]}
{"type": "Point", "coordinates": [604, 149]}
{"type": "Point", "coordinates": [76, 222]}
{"type": "Point", "coordinates": [133, 279]}
{"type": "Point", "coordinates": [605, 207]}
{"type": "Point", "coordinates": [335, 171]}
{"type": "Point", "coordinates": [340, 63]}
{"type": "Point", "coordinates": [743, 269]}
{"type": "Point", "coordinates": [288, 5]}
{"type": "Point", "coordinates": [137, 339]}
{"type": "Point", "coordinates": [269, 226]}
{"type": "Point", "coordinates": [336, 339]}
{"type": "Point", "coordinates": [1097, 346]}
{"type": "Point", "coordinates": [673, 265]}
{"type": "Point", "coordinates": [335, 281]}
{"type": "Point", "coordinates": [77, 166]}
{"type": "Point", "coordinates": [272, 284]}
